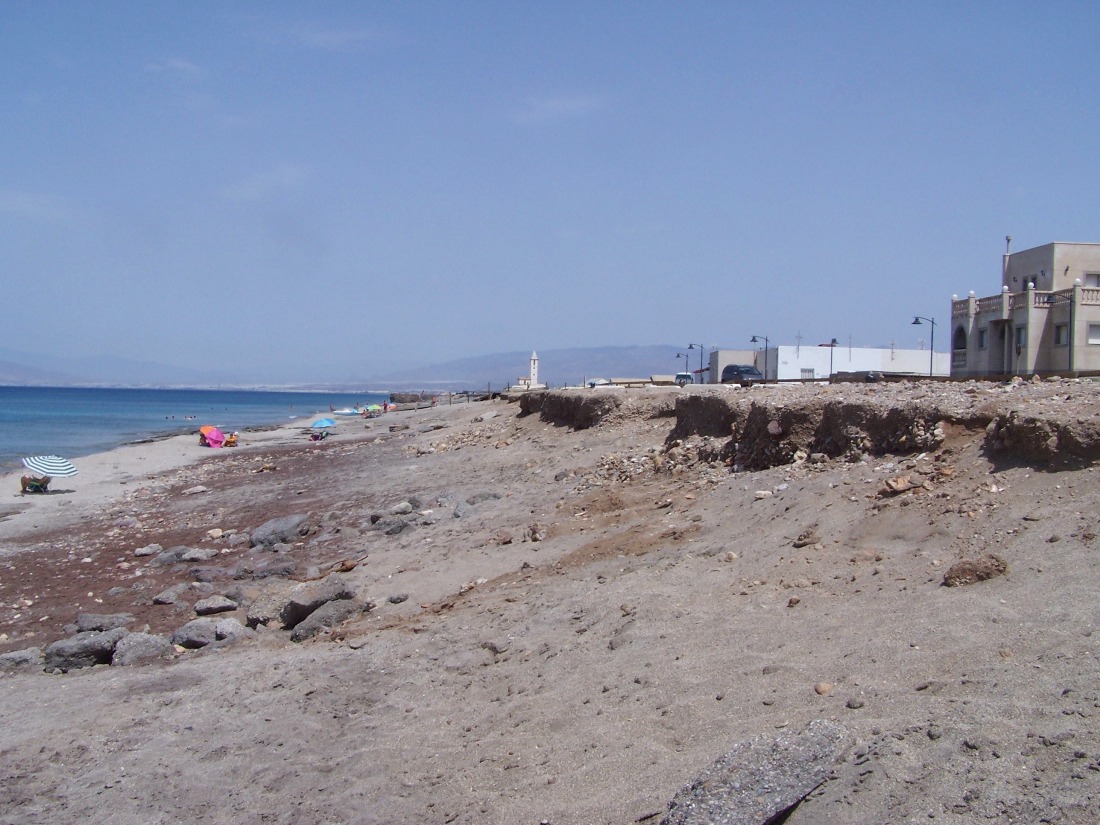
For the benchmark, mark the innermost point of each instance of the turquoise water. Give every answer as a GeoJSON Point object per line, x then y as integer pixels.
{"type": "Point", "coordinates": [73, 422]}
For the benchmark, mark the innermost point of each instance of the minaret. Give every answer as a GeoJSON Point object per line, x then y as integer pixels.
{"type": "Point", "coordinates": [534, 368]}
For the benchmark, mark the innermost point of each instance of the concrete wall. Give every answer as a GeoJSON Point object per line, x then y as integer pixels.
{"type": "Point", "coordinates": [787, 363]}
{"type": "Point", "coordinates": [1052, 266]}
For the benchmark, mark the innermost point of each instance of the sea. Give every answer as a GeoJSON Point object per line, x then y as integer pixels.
{"type": "Point", "coordinates": [73, 422]}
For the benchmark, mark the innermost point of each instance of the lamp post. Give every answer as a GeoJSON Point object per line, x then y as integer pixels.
{"type": "Point", "coordinates": [932, 339]}
{"type": "Point", "coordinates": [687, 366]}
{"type": "Point", "coordinates": [832, 346]}
{"type": "Point", "coordinates": [754, 340]}
{"type": "Point", "coordinates": [700, 348]}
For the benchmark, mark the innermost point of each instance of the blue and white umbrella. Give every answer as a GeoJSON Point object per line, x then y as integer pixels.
{"type": "Point", "coordinates": [53, 466]}
{"type": "Point", "coordinates": [321, 423]}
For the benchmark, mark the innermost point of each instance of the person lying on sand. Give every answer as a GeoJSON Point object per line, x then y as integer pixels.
{"type": "Point", "coordinates": [34, 484]}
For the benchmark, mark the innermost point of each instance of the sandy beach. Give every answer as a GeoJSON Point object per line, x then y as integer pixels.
{"type": "Point", "coordinates": [567, 606]}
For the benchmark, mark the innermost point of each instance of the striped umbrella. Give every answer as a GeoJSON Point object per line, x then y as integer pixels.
{"type": "Point", "coordinates": [50, 465]}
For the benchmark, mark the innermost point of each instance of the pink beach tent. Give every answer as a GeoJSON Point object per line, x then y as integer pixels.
{"type": "Point", "coordinates": [214, 436]}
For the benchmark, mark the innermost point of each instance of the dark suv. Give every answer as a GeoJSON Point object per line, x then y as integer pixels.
{"type": "Point", "coordinates": [743, 374]}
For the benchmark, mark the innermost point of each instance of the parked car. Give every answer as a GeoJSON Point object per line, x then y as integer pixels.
{"type": "Point", "coordinates": [684, 378]}
{"type": "Point", "coordinates": [744, 374]}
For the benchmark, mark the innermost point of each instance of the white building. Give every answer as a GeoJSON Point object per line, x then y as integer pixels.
{"type": "Point", "coordinates": [809, 363]}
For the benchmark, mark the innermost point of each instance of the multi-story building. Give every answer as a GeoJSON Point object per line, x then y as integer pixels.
{"type": "Point", "coordinates": [1045, 321]}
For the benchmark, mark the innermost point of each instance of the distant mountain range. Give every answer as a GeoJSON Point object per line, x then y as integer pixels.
{"type": "Point", "coordinates": [556, 368]}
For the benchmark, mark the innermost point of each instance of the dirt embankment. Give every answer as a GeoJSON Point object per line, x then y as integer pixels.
{"type": "Point", "coordinates": [1037, 423]}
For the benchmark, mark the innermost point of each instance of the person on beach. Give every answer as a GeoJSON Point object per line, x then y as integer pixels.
{"type": "Point", "coordinates": [34, 484]}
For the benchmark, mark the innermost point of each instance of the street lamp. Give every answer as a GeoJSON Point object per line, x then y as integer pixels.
{"type": "Point", "coordinates": [754, 340]}
{"type": "Point", "coordinates": [687, 366]}
{"type": "Point", "coordinates": [932, 340]}
{"type": "Point", "coordinates": [700, 348]}
{"type": "Point", "coordinates": [832, 346]}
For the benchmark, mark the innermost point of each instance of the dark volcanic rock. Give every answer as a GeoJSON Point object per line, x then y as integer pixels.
{"type": "Point", "coordinates": [758, 781]}
{"type": "Point", "coordinates": [83, 650]}
{"type": "Point", "coordinates": [29, 659]}
{"type": "Point", "coordinates": [196, 633]}
{"type": "Point", "coordinates": [285, 530]}
{"type": "Point", "coordinates": [140, 648]}
{"type": "Point", "coordinates": [278, 568]}
{"type": "Point", "coordinates": [327, 616]}
{"type": "Point", "coordinates": [308, 596]}
{"type": "Point", "coordinates": [214, 604]}
{"type": "Point", "coordinates": [95, 621]}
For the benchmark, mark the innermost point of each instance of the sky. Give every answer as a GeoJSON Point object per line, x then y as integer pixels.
{"type": "Point", "coordinates": [333, 190]}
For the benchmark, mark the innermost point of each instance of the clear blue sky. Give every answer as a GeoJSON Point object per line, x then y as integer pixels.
{"type": "Point", "coordinates": [363, 187]}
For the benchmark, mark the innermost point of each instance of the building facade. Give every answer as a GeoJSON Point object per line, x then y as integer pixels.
{"type": "Point", "coordinates": [1045, 320]}
{"type": "Point", "coordinates": [808, 363]}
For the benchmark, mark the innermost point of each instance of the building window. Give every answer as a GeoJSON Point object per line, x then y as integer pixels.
{"type": "Point", "coordinates": [1061, 335]}
{"type": "Point", "coordinates": [983, 338]}
{"type": "Point", "coordinates": [1092, 279]}
{"type": "Point", "coordinates": [808, 374]}
{"type": "Point", "coordinates": [1021, 337]}
{"type": "Point", "coordinates": [1094, 333]}
{"type": "Point", "coordinates": [958, 340]}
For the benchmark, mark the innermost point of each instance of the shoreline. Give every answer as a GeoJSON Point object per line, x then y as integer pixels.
{"type": "Point", "coordinates": [105, 476]}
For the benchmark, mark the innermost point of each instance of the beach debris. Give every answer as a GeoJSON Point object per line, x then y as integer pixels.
{"type": "Point", "coordinates": [971, 571]}
{"type": "Point", "coordinates": [806, 538]}
{"type": "Point", "coordinates": [282, 530]}
{"type": "Point", "coordinates": [198, 488]}
{"type": "Point", "coordinates": [534, 532]}
{"type": "Point", "coordinates": [761, 779]}
{"type": "Point", "coordinates": [896, 485]}
{"type": "Point", "coordinates": [346, 565]}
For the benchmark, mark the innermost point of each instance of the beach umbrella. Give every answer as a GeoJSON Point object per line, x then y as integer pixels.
{"type": "Point", "coordinates": [50, 465]}
{"type": "Point", "coordinates": [214, 436]}
{"type": "Point", "coordinates": [374, 408]}
{"type": "Point", "coordinates": [321, 423]}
